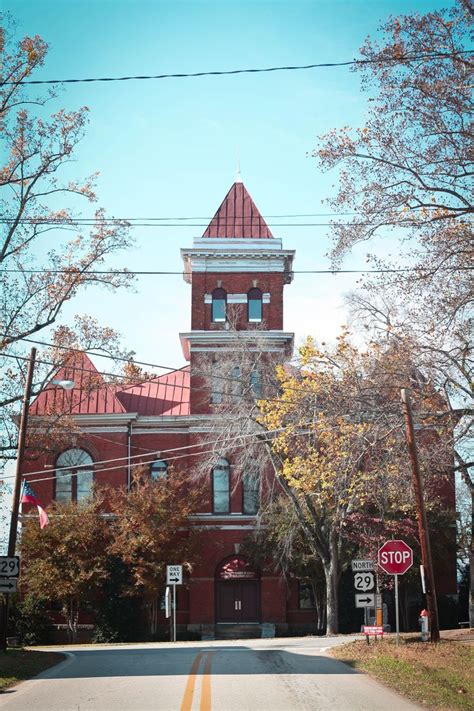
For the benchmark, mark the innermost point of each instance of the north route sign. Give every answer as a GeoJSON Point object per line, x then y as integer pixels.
{"type": "Point", "coordinates": [395, 557]}
{"type": "Point", "coordinates": [174, 574]}
{"type": "Point", "coordinates": [360, 566]}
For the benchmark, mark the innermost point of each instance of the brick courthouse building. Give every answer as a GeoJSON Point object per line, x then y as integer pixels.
{"type": "Point", "coordinates": [236, 261]}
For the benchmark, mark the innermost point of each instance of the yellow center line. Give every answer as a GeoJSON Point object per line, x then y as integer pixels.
{"type": "Point", "coordinates": [189, 690]}
{"type": "Point", "coordinates": [206, 684]}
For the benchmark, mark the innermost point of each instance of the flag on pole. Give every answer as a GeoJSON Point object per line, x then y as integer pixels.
{"type": "Point", "coordinates": [28, 497]}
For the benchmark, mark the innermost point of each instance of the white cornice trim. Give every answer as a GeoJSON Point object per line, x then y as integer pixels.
{"type": "Point", "coordinates": [210, 340]}
{"type": "Point", "coordinates": [233, 256]}
{"type": "Point", "coordinates": [245, 243]}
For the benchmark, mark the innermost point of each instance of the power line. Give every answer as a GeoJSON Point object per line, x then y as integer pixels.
{"type": "Point", "coordinates": [333, 272]}
{"type": "Point", "coordinates": [354, 62]}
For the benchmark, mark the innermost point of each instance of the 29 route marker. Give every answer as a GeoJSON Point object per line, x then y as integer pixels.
{"type": "Point", "coordinates": [9, 566]}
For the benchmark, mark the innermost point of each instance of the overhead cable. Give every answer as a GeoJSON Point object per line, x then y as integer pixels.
{"type": "Point", "coordinates": [406, 59]}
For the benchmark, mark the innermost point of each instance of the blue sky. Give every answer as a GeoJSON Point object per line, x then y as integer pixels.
{"type": "Point", "coordinates": [168, 148]}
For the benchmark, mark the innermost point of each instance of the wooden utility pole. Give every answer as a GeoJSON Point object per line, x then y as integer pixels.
{"type": "Point", "coordinates": [21, 454]}
{"type": "Point", "coordinates": [423, 532]}
{"type": "Point", "coordinates": [17, 487]}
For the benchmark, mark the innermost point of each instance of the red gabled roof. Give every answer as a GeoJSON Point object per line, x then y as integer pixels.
{"type": "Point", "coordinates": [238, 217]}
{"type": "Point", "coordinates": [90, 395]}
{"type": "Point", "coordinates": [165, 395]}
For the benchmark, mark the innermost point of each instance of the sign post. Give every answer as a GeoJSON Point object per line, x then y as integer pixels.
{"type": "Point", "coordinates": [395, 558]}
{"type": "Point", "coordinates": [174, 577]}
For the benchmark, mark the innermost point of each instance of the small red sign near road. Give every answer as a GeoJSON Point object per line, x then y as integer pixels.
{"type": "Point", "coordinates": [395, 557]}
{"type": "Point", "coordinates": [372, 630]}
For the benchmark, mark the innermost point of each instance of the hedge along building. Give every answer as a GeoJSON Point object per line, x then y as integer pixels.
{"type": "Point", "coordinates": [236, 267]}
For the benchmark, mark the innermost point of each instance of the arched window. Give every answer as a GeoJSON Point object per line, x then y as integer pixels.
{"type": "Point", "coordinates": [158, 470]}
{"type": "Point", "coordinates": [221, 487]}
{"type": "Point", "coordinates": [219, 305]}
{"type": "Point", "coordinates": [251, 493]}
{"type": "Point", "coordinates": [254, 306]}
{"type": "Point", "coordinates": [74, 475]}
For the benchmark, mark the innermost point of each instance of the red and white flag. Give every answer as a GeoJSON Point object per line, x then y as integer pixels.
{"type": "Point", "coordinates": [28, 497]}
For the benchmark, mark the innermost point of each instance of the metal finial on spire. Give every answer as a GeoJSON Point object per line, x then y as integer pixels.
{"type": "Point", "coordinates": [238, 179]}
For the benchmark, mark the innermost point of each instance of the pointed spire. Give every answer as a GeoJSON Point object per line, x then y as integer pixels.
{"type": "Point", "coordinates": [238, 217]}
{"type": "Point", "coordinates": [238, 179]}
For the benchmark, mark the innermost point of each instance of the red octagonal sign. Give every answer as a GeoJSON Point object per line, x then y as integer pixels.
{"type": "Point", "coordinates": [395, 557]}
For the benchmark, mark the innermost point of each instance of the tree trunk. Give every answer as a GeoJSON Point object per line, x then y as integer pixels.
{"type": "Point", "coordinates": [70, 612]}
{"type": "Point", "coordinates": [152, 608]}
{"type": "Point", "coordinates": [471, 566]}
{"type": "Point", "coordinates": [331, 573]}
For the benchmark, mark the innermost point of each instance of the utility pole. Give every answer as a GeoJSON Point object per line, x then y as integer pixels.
{"type": "Point", "coordinates": [17, 486]}
{"type": "Point", "coordinates": [21, 454]}
{"type": "Point", "coordinates": [423, 532]}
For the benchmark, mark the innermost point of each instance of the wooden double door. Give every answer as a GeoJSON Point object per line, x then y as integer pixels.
{"type": "Point", "coordinates": [238, 601]}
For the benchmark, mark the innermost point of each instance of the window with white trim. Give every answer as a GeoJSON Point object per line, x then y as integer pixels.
{"type": "Point", "coordinates": [254, 306]}
{"type": "Point", "coordinates": [221, 487]}
{"type": "Point", "coordinates": [219, 305]}
{"type": "Point", "coordinates": [74, 475]}
{"type": "Point", "coordinates": [158, 470]}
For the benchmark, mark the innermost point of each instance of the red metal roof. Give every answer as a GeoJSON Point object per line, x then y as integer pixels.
{"type": "Point", "coordinates": [165, 395]}
{"type": "Point", "coordinates": [238, 217]}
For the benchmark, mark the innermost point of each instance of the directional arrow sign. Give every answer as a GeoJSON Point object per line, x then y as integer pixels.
{"type": "Point", "coordinates": [8, 586]}
{"type": "Point", "coordinates": [174, 574]}
{"type": "Point", "coordinates": [364, 600]}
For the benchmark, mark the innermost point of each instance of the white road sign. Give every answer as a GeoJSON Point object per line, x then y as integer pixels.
{"type": "Point", "coordinates": [359, 566]}
{"type": "Point", "coordinates": [167, 602]}
{"type": "Point", "coordinates": [365, 600]}
{"type": "Point", "coordinates": [8, 585]}
{"type": "Point", "coordinates": [9, 566]}
{"type": "Point", "coordinates": [174, 574]}
{"type": "Point", "coordinates": [363, 582]}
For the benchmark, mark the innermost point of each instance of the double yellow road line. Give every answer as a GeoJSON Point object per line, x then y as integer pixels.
{"type": "Point", "coordinates": [205, 704]}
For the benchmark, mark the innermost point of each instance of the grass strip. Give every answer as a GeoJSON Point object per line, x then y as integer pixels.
{"type": "Point", "coordinates": [438, 676]}
{"type": "Point", "coordinates": [20, 664]}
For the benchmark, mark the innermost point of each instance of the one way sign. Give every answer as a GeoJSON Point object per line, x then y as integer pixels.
{"type": "Point", "coordinates": [367, 600]}
{"type": "Point", "coordinates": [8, 585]}
{"type": "Point", "coordinates": [174, 574]}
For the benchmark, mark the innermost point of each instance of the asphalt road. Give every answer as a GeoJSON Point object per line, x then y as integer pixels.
{"type": "Point", "coordinates": [255, 675]}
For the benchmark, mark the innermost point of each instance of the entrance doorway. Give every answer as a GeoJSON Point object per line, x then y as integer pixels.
{"type": "Point", "coordinates": [238, 602]}
{"type": "Point", "coordinates": [237, 592]}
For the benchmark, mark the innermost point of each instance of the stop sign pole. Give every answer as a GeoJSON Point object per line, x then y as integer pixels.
{"type": "Point", "coordinates": [395, 558]}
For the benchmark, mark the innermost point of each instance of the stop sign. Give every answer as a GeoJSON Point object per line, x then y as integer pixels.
{"type": "Point", "coordinates": [395, 557]}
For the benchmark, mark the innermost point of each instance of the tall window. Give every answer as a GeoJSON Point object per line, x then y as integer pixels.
{"type": "Point", "coordinates": [254, 305]}
{"type": "Point", "coordinates": [251, 493]}
{"type": "Point", "coordinates": [256, 384]}
{"type": "Point", "coordinates": [217, 384]}
{"type": "Point", "coordinates": [221, 487]}
{"type": "Point", "coordinates": [74, 475]}
{"type": "Point", "coordinates": [306, 596]}
{"type": "Point", "coordinates": [236, 385]}
{"type": "Point", "coordinates": [158, 470]}
{"type": "Point", "coordinates": [219, 303]}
